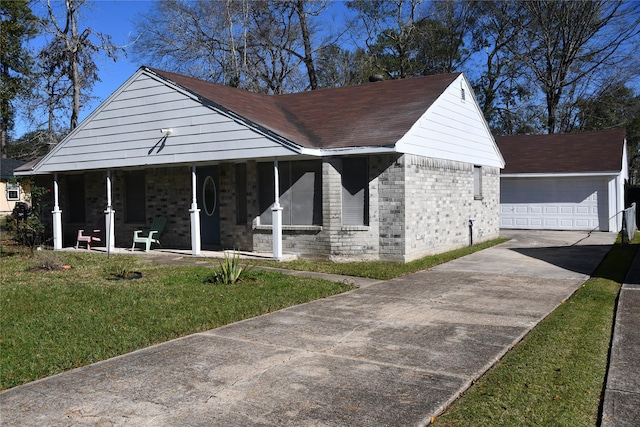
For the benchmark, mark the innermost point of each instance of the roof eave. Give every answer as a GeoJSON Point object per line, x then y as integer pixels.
{"type": "Point", "coordinates": [560, 174]}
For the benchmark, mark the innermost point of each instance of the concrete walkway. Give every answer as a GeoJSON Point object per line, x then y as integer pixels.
{"type": "Point", "coordinates": [622, 394]}
{"type": "Point", "coordinates": [395, 352]}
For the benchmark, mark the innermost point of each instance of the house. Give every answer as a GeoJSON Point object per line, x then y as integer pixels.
{"type": "Point", "coordinates": [389, 170]}
{"type": "Point", "coordinates": [11, 191]}
{"type": "Point", "coordinates": [571, 181]}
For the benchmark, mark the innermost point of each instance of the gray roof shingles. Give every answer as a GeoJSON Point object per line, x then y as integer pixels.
{"type": "Point", "coordinates": [370, 114]}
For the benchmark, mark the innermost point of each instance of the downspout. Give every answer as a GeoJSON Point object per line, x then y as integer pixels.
{"type": "Point", "coordinates": [276, 215]}
{"type": "Point", "coordinates": [194, 214]}
{"type": "Point", "coordinates": [57, 217]}
{"type": "Point", "coordinates": [109, 215]}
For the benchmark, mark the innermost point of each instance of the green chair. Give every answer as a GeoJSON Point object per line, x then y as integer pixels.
{"type": "Point", "coordinates": [152, 237]}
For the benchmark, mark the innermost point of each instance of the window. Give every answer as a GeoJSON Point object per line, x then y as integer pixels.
{"type": "Point", "coordinates": [477, 182]}
{"type": "Point", "coordinates": [300, 192]}
{"type": "Point", "coordinates": [75, 196]}
{"type": "Point", "coordinates": [355, 191]}
{"type": "Point", "coordinates": [13, 191]}
{"type": "Point", "coordinates": [241, 193]}
{"type": "Point", "coordinates": [135, 197]}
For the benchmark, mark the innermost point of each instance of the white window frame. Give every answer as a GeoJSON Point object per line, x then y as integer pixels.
{"type": "Point", "coordinates": [13, 192]}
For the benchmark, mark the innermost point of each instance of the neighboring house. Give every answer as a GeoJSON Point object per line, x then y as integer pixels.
{"type": "Point", "coordinates": [571, 181]}
{"type": "Point", "coordinates": [10, 190]}
{"type": "Point", "coordinates": [388, 170]}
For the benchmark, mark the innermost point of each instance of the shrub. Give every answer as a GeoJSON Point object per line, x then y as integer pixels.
{"type": "Point", "coordinates": [46, 260]}
{"type": "Point", "coordinates": [26, 225]}
{"type": "Point", "coordinates": [229, 270]}
{"type": "Point", "coordinates": [120, 267]}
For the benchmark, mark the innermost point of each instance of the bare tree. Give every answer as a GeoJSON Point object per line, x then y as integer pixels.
{"type": "Point", "coordinates": [407, 38]}
{"type": "Point", "coordinates": [72, 52]}
{"type": "Point", "coordinates": [390, 31]}
{"type": "Point", "coordinates": [263, 46]}
{"type": "Point", "coordinates": [567, 44]}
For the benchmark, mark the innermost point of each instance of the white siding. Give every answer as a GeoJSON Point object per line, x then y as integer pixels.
{"type": "Point", "coordinates": [453, 129]}
{"type": "Point", "coordinates": [125, 132]}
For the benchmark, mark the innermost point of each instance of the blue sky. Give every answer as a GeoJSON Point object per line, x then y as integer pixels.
{"type": "Point", "coordinates": [117, 19]}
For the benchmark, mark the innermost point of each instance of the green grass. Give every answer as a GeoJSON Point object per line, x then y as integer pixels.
{"type": "Point", "coordinates": [555, 376]}
{"type": "Point", "coordinates": [52, 321]}
{"type": "Point", "coordinates": [379, 269]}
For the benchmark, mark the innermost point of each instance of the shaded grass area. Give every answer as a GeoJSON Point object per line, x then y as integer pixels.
{"type": "Point", "coordinates": [555, 375]}
{"type": "Point", "coordinates": [52, 321]}
{"type": "Point", "coordinates": [382, 270]}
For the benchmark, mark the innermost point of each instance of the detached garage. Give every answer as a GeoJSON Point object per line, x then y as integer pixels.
{"type": "Point", "coordinates": [572, 181]}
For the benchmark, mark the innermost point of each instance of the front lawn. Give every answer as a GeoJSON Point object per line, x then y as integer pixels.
{"type": "Point", "coordinates": [52, 321]}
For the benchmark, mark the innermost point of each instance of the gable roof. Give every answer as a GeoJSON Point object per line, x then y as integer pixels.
{"type": "Point", "coordinates": [370, 114]}
{"type": "Point", "coordinates": [8, 165]}
{"type": "Point", "coordinates": [584, 152]}
{"type": "Point", "coordinates": [211, 123]}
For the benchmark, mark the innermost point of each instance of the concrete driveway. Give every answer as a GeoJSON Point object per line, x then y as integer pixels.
{"type": "Point", "coordinates": [391, 353]}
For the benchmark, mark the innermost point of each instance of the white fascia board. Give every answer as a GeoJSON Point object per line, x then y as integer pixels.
{"type": "Point", "coordinates": [347, 151]}
{"type": "Point", "coordinates": [560, 175]}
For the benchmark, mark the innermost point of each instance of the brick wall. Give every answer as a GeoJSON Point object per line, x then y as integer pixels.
{"type": "Point", "coordinates": [167, 193]}
{"type": "Point", "coordinates": [440, 202]}
{"type": "Point", "coordinates": [417, 206]}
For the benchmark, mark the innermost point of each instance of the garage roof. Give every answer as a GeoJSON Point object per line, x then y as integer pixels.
{"type": "Point", "coordinates": [584, 152]}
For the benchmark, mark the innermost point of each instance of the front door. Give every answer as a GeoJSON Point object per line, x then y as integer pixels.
{"type": "Point", "coordinates": [208, 203]}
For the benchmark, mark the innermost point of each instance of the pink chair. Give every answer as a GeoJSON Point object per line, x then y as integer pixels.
{"type": "Point", "coordinates": [94, 236]}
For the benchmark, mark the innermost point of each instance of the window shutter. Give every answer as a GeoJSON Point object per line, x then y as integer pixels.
{"type": "Point", "coordinates": [75, 194]}
{"type": "Point", "coordinates": [355, 184]}
{"type": "Point", "coordinates": [477, 181]}
{"type": "Point", "coordinates": [135, 197]}
{"type": "Point", "coordinates": [241, 193]}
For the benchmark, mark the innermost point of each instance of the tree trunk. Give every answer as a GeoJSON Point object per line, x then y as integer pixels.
{"type": "Point", "coordinates": [306, 39]}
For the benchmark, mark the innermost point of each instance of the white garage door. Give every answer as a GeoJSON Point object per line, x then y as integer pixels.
{"type": "Point", "coordinates": [553, 203]}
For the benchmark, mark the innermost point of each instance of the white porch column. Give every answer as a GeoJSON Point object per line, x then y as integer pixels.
{"type": "Point", "coordinates": [276, 213]}
{"type": "Point", "coordinates": [194, 213]}
{"type": "Point", "coordinates": [57, 217]}
{"type": "Point", "coordinates": [109, 215]}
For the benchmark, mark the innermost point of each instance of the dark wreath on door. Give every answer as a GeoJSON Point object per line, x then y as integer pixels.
{"type": "Point", "coordinates": [208, 203]}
